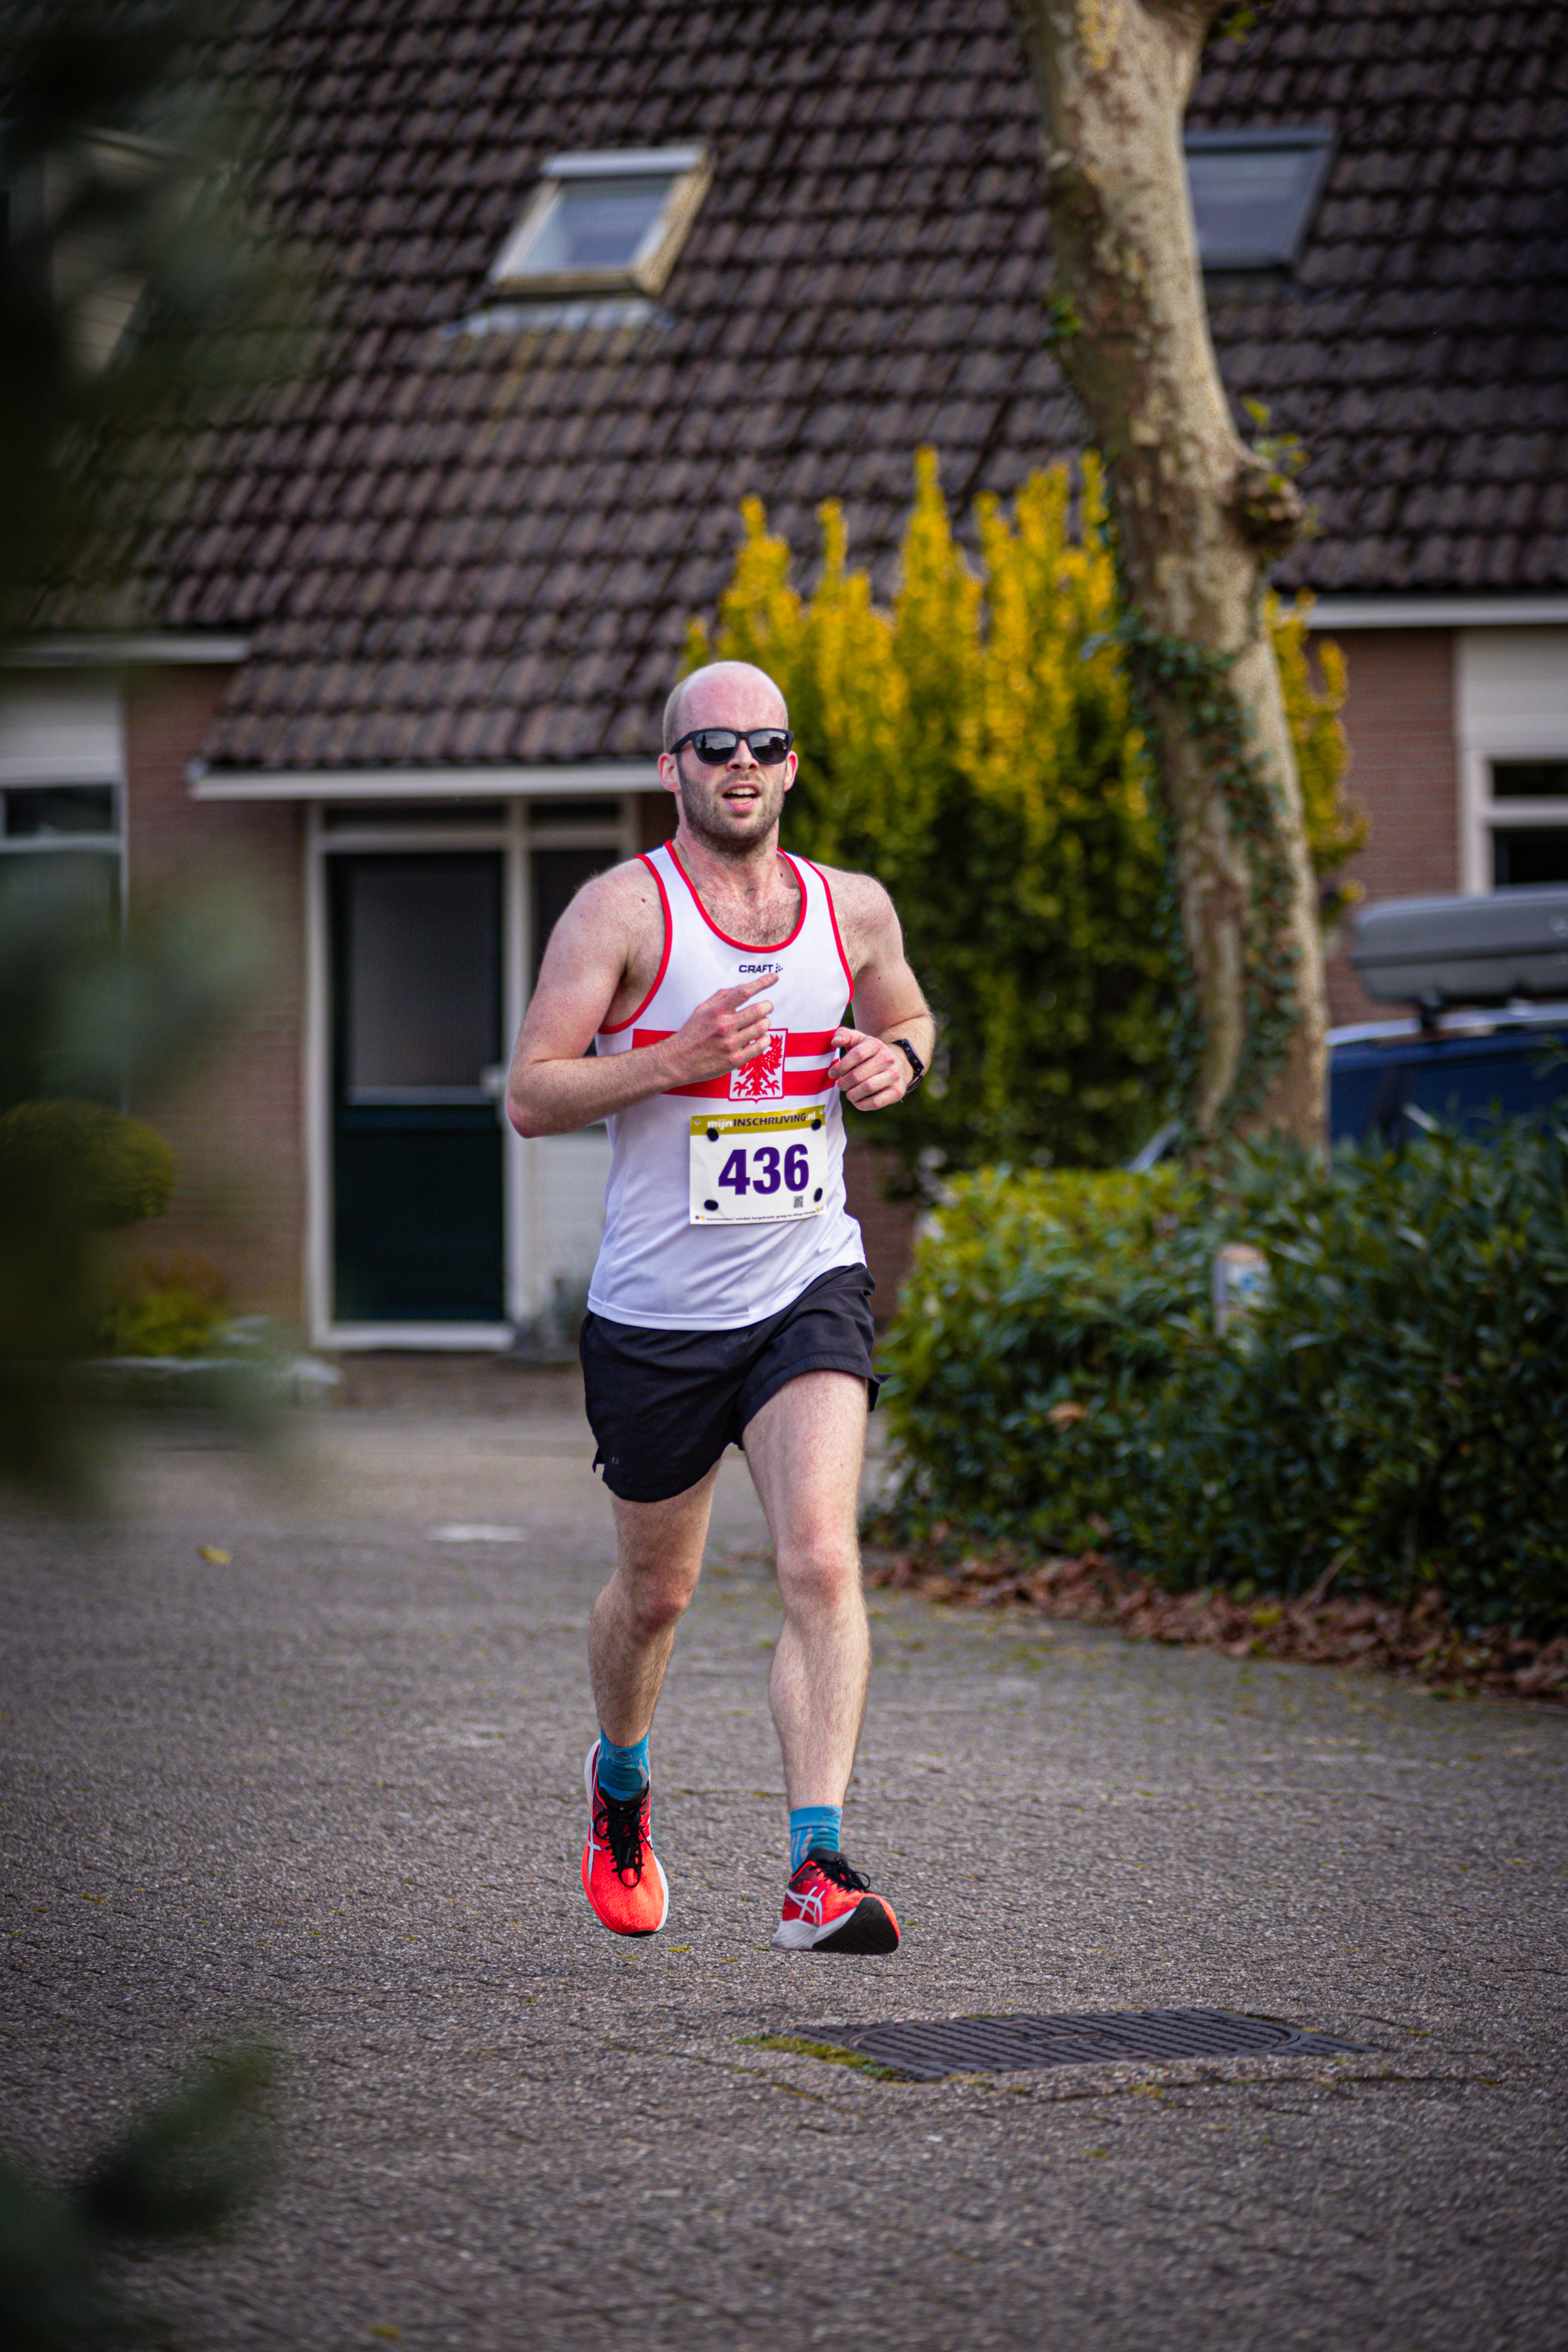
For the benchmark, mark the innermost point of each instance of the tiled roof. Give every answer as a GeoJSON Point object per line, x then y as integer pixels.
{"type": "Point", "coordinates": [1424, 356]}
{"type": "Point", "coordinates": [451, 547]}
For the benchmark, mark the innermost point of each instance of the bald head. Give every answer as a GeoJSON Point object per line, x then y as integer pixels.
{"type": "Point", "coordinates": [703, 698]}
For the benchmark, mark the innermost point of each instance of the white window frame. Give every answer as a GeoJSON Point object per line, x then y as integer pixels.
{"type": "Point", "coordinates": [689, 170]}
{"type": "Point", "coordinates": [1511, 702]}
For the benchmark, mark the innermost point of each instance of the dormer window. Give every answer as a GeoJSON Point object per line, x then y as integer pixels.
{"type": "Point", "coordinates": [605, 223]}
{"type": "Point", "coordinates": [1254, 193]}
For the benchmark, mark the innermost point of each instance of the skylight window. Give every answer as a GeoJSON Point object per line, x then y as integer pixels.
{"type": "Point", "coordinates": [1254, 193]}
{"type": "Point", "coordinates": [604, 222]}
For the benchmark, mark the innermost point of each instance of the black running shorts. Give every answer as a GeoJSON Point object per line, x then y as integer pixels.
{"type": "Point", "coordinates": [663, 1405]}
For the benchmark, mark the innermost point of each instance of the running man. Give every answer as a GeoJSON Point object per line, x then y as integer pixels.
{"type": "Point", "coordinates": [730, 1300]}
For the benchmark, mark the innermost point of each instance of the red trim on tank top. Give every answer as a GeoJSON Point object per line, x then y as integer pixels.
{"type": "Point", "coordinates": [762, 947]}
{"type": "Point", "coordinates": [838, 943]}
{"type": "Point", "coordinates": [803, 1045]}
{"type": "Point", "coordinates": [613, 1028]}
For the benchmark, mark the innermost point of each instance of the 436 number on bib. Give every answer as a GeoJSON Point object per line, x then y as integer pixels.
{"type": "Point", "coordinates": [758, 1167]}
{"type": "Point", "coordinates": [760, 1171]}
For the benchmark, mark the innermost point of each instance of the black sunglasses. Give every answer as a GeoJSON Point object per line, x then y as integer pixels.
{"type": "Point", "coordinates": [714, 745]}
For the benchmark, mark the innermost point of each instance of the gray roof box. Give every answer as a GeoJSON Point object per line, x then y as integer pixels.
{"type": "Point", "coordinates": [1473, 951]}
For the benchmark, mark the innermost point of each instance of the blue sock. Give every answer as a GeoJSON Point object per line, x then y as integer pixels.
{"type": "Point", "coordinates": [623, 1771]}
{"type": "Point", "coordinates": [812, 1829]}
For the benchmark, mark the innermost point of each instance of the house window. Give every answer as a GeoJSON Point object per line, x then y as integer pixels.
{"type": "Point", "coordinates": [1254, 193]}
{"type": "Point", "coordinates": [1529, 780]}
{"type": "Point", "coordinates": [605, 223]}
{"type": "Point", "coordinates": [47, 813]}
{"type": "Point", "coordinates": [1512, 709]}
{"type": "Point", "coordinates": [61, 770]}
{"type": "Point", "coordinates": [1534, 853]}
{"type": "Point", "coordinates": [1524, 857]}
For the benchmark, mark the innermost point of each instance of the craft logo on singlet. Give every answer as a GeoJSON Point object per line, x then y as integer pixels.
{"type": "Point", "coordinates": [762, 1078]}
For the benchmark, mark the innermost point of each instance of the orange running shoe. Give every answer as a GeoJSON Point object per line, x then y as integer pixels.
{"type": "Point", "coordinates": [623, 1878]}
{"type": "Point", "coordinates": [828, 1907]}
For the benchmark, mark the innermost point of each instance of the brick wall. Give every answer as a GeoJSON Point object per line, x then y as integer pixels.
{"type": "Point", "coordinates": [234, 1117]}
{"type": "Point", "coordinates": [1399, 716]}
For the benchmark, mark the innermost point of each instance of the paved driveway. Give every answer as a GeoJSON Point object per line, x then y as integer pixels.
{"type": "Point", "coordinates": [332, 1787]}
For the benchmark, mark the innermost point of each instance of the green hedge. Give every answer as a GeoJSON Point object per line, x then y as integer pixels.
{"type": "Point", "coordinates": [1394, 1415]}
{"type": "Point", "coordinates": [79, 1165]}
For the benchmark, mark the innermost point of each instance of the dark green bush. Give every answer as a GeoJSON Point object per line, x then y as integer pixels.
{"type": "Point", "coordinates": [82, 1165]}
{"type": "Point", "coordinates": [1394, 1415]}
{"type": "Point", "coordinates": [1040, 1310]}
{"type": "Point", "coordinates": [70, 1171]}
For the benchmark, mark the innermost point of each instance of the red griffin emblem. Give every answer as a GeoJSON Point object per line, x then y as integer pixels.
{"type": "Point", "coordinates": [762, 1078]}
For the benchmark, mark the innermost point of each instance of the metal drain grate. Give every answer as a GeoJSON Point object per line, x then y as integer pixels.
{"type": "Point", "coordinates": [926, 2048]}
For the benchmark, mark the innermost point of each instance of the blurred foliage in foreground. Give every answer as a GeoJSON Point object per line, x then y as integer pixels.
{"type": "Point", "coordinates": [128, 285]}
{"type": "Point", "coordinates": [1390, 1417]}
{"type": "Point", "coordinates": [88, 1018]}
{"type": "Point", "coordinates": [138, 294]}
{"type": "Point", "coordinates": [974, 748]}
{"type": "Point", "coordinates": [188, 2167]}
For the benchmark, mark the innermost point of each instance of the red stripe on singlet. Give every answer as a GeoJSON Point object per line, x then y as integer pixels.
{"type": "Point", "coordinates": [803, 1045]}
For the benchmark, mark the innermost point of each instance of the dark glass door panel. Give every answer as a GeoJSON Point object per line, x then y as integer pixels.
{"type": "Point", "coordinates": [418, 1231]}
{"type": "Point", "coordinates": [558, 876]}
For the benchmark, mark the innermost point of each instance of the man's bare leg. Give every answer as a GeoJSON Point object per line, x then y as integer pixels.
{"type": "Point", "coordinates": [805, 1449]}
{"type": "Point", "coordinates": [630, 1636]}
{"type": "Point", "coordinates": [632, 1630]}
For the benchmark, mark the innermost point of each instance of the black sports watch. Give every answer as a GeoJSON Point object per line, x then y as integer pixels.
{"type": "Point", "coordinates": [914, 1060]}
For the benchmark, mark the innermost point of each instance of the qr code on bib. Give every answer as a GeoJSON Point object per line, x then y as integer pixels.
{"type": "Point", "coordinates": [762, 1078]}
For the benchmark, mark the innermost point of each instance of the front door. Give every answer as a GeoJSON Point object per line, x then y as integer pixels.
{"type": "Point", "coordinates": [417, 1199]}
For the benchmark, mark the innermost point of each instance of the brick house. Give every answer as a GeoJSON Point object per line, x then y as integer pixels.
{"type": "Point", "coordinates": [590, 276]}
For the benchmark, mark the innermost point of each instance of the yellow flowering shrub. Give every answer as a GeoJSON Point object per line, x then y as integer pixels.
{"type": "Point", "coordinates": [973, 747]}
{"type": "Point", "coordinates": [1336, 829]}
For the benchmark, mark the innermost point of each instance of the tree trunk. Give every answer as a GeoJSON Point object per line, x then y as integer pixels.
{"type": "Point", "coordinates": [1199, 516]}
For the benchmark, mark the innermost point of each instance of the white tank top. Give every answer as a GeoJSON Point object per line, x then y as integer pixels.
{"type": "Point", "coordinates": [654, 1266]}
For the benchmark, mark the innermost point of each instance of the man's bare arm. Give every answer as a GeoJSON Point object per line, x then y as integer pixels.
{"type": "Point", "coordinates": [870, 1070]}
{"type": "Point", "coordinates": [555, 1085]}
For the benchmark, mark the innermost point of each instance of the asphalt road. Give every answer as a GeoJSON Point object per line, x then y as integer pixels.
{"type": "Point", "coordinates": [331, 1787]}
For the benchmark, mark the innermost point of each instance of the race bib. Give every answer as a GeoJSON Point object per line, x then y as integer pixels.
{"type": "Point", "coordinates": [758, 1167]}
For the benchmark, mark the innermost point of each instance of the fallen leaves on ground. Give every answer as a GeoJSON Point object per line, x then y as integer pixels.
{"type": "Point", "coordinates": [1317, 1629]}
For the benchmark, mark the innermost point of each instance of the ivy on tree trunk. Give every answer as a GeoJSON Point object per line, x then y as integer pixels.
{"type": "Point", "coordinates": [1199, 515]}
